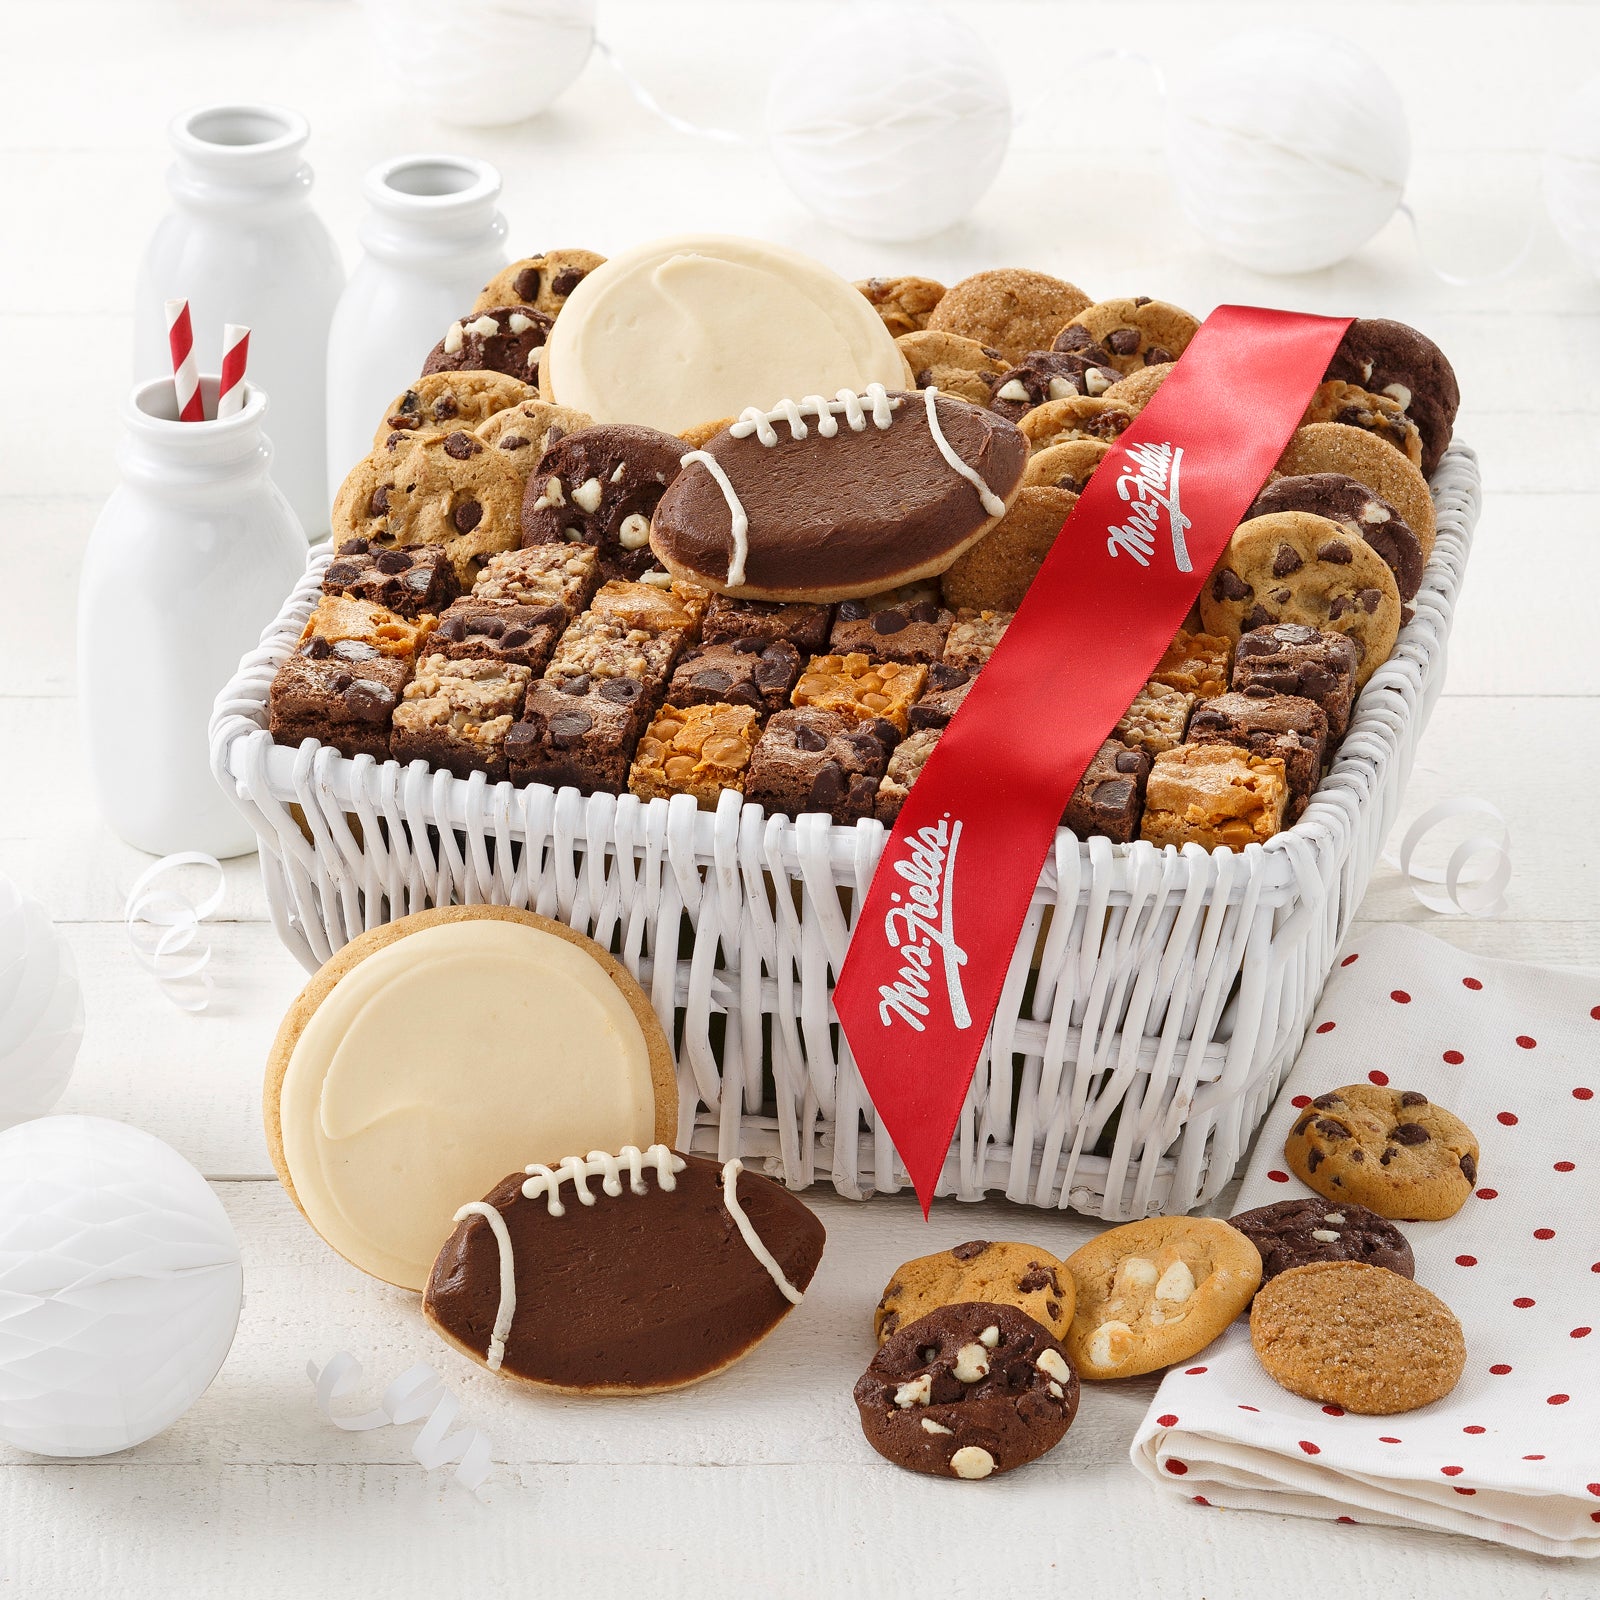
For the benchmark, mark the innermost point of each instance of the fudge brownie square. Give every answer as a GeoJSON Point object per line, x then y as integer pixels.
{"type": "Point", "coordinates": [647, 606]}
{"type": "Point", "coordinates": [1291, 658]}
{"type": "Point", "coordinates": [742, 672]}
{"type": "Point", "coordinates": [1156, 719]}
{"type": "Point", "coordinates": [861, 688]}
{"type": "Point", "coordinates": [1293, 729]}
{"type": "Point", "coordinates": [699, 750]}
{"type": "Point", "coordinates": [907, 631]}
{"type": "Point", "coordinates": [973, 637]}
{"type": "Point", "coordinates": [455, 714]}
{"type": "Point", "coordinates": [561, 575]}
{"type": "Point", "coordinates": [1214, 795]}
{"type": "Point", "coordinates": [1196, 663]}
{"type": "Point", "coordinates": [408, 582]}
{"type": "Point", "coordinates": [805, 626]}
{"type": "Point", "coordinates": [596, 647]}
{"type": "Point", "coordinates": [942, 694]}
{"type": "Point", "coordinates": [578, 734]}
{"type": "Point", "coordinates": [812, 760]}
{"type": "Point", "coordinates": [1110, 794]}
{"type": "Point", "coordinates": [905, 767]}
{"type": "Point", "coordinates": [499, 630]}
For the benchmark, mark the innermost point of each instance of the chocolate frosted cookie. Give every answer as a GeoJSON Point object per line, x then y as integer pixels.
{"type": "Point", "coordinates": [1136, 333]}
{"type": "Point", "coordinates": [967, 1391]}
{"type": "Point", "coordinates": [508, 339]}
{"type": "Point", "coordinates": [1290, 1233]}
{"type": "Point", "coordinates": [1051, 375]}
{"type": "Point", "coordinates": [1394, 360]}
{"type": "Point", "coordinates": [1353, 506]}
{"type": "Point", "coordinates": [542, 281]}
{"type": "Point", "coordinates": [600, 486]}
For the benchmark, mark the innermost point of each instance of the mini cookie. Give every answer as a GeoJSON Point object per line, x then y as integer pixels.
{"type": "Point", "coordinates": [523, 432]}
{"type": "Point", "coordinates": [622, 1274]}
{"type": "Point", "coordinates": [1355, 507]}
{"type": "Point", "coordinates": [1346, 1334]}
{"type": "Point", "coordinates": [599, 486]}
{"type": "Point", "coordinates": [995, 573]}
{"type": "Point", "coordinates": [1337, 447]}
{"type": "Point", "coordinates": [1291, 1233]}
{"type": "Point", "coordinates": [1391, 359]}
{"type": "Point", "coordinates": [402, 1080]}
{"type": "Point", "coordinates": [448, 489]}
{"type": "Point", "coordinates": [1011, 308]}
{"type": "Point", "coordinates": [1044, 375]}
{"type": "Point", "coordinates": [1137, 333]}
{"type": "Point", "coordinates": [1079, 417]}
{"type": "Point", "coordinates": [443, 402]}
{"type": "Point", "coordinates": [1067, 465]}
{"type": "Point", "coordinates": [904, 303]}
{"type": "Point", "coordinates": [952, 365]}
{"type": "Point", "coordinates": [995, 1272]}
{"type": "Point", "coordinates": [697, 437]}
{"type": "Point", "coordinates": [1390, 1150]}
{"type": "Point", "coordinates": [1154, 1292]}
{"type": "Point", "coordinates": [543, 281]}
{"type": "Point", "coordinates": [1296, 567]}
{"type": "Point", "coordinates": [508, 339]}
{"type": "Point", "coordinates": [967, 1391]}
{"type": "Point", "coordinates": [1377, 414]}
{"type": "Point", "coordinates": [1138, 388]}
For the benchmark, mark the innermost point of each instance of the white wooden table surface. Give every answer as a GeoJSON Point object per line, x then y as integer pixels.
{"type": "Point", "coordinates": [760, 1479]}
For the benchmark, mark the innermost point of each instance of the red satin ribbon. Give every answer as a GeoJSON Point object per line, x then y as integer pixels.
{"type": "Point", "coordinates": [934, 939]}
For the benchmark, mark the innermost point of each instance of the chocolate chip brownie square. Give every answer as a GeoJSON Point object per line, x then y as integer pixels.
{"type": "Point", "coordinates": [905, 767]}
{"type": "Point", "coordinates": [973, 637]}
{"type": "Point", "coordinates": [1293, 729]}
{"type": "Point", "coordinates": [1156, 720]}
{"type": "Point", "coordinates": [742, 672]}
{"type": "Point", "coordinates": [1296, 659]}
{"type": "Point", "coordinates": [909, 631]}
{"type": "Point", "coordinates": [1214, 795]}
{"type": "Point", "coordinates": [861, 688]}
{"type": "Point", "coordinates": [698, 750]}
{"type": "Point", "coordinates": [455, 714]}
{"type": "Point", "coordinates": [408, 582]}
{"type": "Point", "coordinates": [946, 687]}
{"type": "Point", "coordinates": [815, 760]}
{"type": "Point", "coordinates": [500, 631]}
{"type": "Point", "coordinates": [1110, 794]}
{"type": "Point", "coordinates": [805, 626]}
{"type": "Point", "coordinates": [579, 732]}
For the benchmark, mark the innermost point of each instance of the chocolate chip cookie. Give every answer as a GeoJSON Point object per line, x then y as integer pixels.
{"type": "Point", "coordinates": [1290, 1233]}
{"type": "Point", "coordinates": [951, 364]}
{"type": "Point", "coordinates": [1358, 509]}
{"type": "Point", "coordinates": [1044, 375]}
{"type": "Point", "coordinates": [1076, 417]}
{"type": "Point", "coordinates": [1067, 465]}
{"type": "Point", "coordinates": [905, 304]}
{"type": "Point", "coordinates": [1391, 1150]}
{"type": "Point", "coordinates": [1296, 567]}
{"type": "Point", "coordinates": [523, 432]}
{"type": "Point", "coordinates": [1137, 333]}
{"type": "Point", "coordinates": [442, 402]}
{"type": "Point", "coordinates": [702, 433]}
{"type": "Point", "coordinates": [599, 486]}
{"type": "Point", "coordinates": [508, 339]}
{"type": "Point", "coordinates": [1010, 308]}
{"type": "Point", "coordinates": [1138, 388]}
{"type": "Point", "coordinates": [1392, 359]}
{"type": "Point", "coordinates": [995, 573]}
{"type": "Point", "coordinates": [997, 1272]}
{"type": "Point", "coordinates": [1377, 414]}
{"type": "Point", "coordinates": [542, 281]}
{"type": "Point", "coordinates": [1337, 447]}
{"type": "Point", "coordinates": [967, 1391]}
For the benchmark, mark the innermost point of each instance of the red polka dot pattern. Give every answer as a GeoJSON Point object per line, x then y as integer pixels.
{"type": "Point", "coordinates": [1557, 1399]}
{"type": "Point", "coordinates": [1277, 1176]}
{"type": "Point", "coordinates": [1488, 1194]}
{"type": "Point", "coordinates": [1194, 1371]}
{"type": "Point", "coordinates": [1544, 1233]}
{"type": "Point", "coordinates": [1167, 1419]}
{"type": "Point", "coordinates": [1387, 1438]}
{"type": "Point", "coordinates": [1355, 956]}
{"type": "Point", "coordinates": [1526, 1043]}
{"type": "Point", "coordinates": [1507, 1118]}
{"type": "Point", "coordinates": [1300, 1101]}
{"type": "Point", "coordinates": [1474, 1427]}
{"type": "Point", "coordinates": [1333, 1411]}
{"type": "Point", "coordinates": [1580, 1333]}
{"type": "Point", "coordinates": [1309, 1448]}
{"type": "Point", "coordinates": [1454, 1057]}
{"type": "Point", "coordinates": [1379, 1078]}
{"type": "Point", "coordinates": [1325, 1027]}
{"type": "Point", "coordinates": [1466, 1261]}
{"type": "Point", "coordinates": [1200, 1500]}
{"type": "Point", "coordinates": [1500, 1369]}
{"type": "Point", "coordinates": [1452, 1472]}
{"type": "Point", "coordinates": [1471, 983]}
{"type": "Point", "coordinates": [1583, 1093]}
{"type": "Point", "coordinates": [1175, 1467]}
{"type": "Point", "coordinates": [1564, 1166]}
{"type": "Point", "coordinates": [1400, 997]}
{"type": "Point", "coordinates": [1523, 1301]}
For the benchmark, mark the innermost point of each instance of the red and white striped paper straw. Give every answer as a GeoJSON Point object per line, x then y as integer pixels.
{"type": "Point", "coordinates": [185, 374]}
{"type": "Point", "coordinates": [235, 353]}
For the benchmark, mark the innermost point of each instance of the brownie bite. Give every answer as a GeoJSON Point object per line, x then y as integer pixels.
{"type": "Point", "coordinates": [908, 631]}
{"type": "Point", "coordinates": [905, 767]}
{"type": "Point", "coordinates": [814, 760]}
{"type": "Point", "coordinates": [500, 631]}
{"type": "Point", "coordinates": [1291, 658]}
{"type": "Point", "coordinates": [578, 733]}
{"type": "Point", "coordinates": [1293, 729]}
{"type": "Point", "coordinates": [1196, 663]}
{"type": "Point", "coordinates": [1110, 794]}
{"type": "Point", "coordinates": [1214, 795]}
{"type": "Point", "coordinates": [455, 714]}
{"type": "Point", "coordinates": [742, 672]}
{"type": "Point", "coordinates": [408, 582]}
{"type": "Point", "coordinates": [805, 626]}
{"type": "Point", "coordinates": [698, 750]}
{"type": "Point", "coordinates": [1156, 720]}
{"type": "Point", "coordinates": [973, 637]}
{"type": "Point", "coordinates": [942, 693]}
{"type": "Point", "coordinates": [861, 688]}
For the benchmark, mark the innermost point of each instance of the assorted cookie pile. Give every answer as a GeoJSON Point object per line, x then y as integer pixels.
{"type": "Point", "coordinates": [792, 602]}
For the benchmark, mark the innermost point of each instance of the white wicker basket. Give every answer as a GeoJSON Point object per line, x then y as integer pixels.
{"type": "Point", "coordinates": [1153, 1002]}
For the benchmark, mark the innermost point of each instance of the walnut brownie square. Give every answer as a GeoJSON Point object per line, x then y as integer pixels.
{"type": "Point", "coordinates": [1283, 725]}
{"type": "Point", "coordinates": [1291, 658]}
{"type": "Point", "coordinates": [563, 575]}
{"type": "Point", "coordinates": [1214, 795]}
{"type": "Point", "coordinates": [408, 582]}
{"type": "Point", "coordinates": [1197, 663]}
{"type": "Point", "coordinates": [596, 647]}
{"type": "Point", "coordinates": [942, 694]}
{"type": "Point", "coordinates": [741, 672]}
{"type": "Point", "coordinates": [973, 637]}
{"type": "Point", "coordinates": [861, 688]}
{"type": "Point", "coordinates": [1156, 719]}
{"type": "Point", "coordinates": [911, 630]}
{"type": "Point", "coordinates": [805, 626]}
{"type": "Point", "coordinates": [579, 733]}
{"type": "Point", "coordinates": [811, 760]}
{"type": "Point", "coordinates": [455, 714]}
{"type": "Point", "coordinates": [699, 750]}
{"type": "Point", "coordinates": [1110, 794]}
{"type": "Point", "coordinates": [905, 767]}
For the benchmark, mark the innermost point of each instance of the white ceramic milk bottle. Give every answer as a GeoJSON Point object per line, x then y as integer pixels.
{"type": "Point", "coordinates": [191, 558]}
{"type": "Point", "coordinates": [242, 244]}
{"type": "Point", "coordinates": [432, 239]}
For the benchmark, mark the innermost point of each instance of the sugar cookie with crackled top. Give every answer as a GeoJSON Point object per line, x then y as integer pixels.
{"type": "Point", "coordinates": [1154, 1292]}
{"type": "Point", "coordinates": [431, 1056]}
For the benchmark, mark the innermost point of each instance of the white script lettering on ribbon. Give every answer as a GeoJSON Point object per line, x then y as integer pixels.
{"type": "Point", "coordinates": [920, 927]}
{"type": "Point", "coordinates": [1149, 483]}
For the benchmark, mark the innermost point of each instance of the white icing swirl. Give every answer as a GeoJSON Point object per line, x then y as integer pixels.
{"type": "Point", "coordinates": [730, 1199]}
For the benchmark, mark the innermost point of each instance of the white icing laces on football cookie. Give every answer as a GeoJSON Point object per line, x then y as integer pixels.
{"type": "Point", "coordinates": [577, 1170]}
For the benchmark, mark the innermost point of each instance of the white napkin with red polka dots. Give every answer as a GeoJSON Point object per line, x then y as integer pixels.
{"type": "Point", "coordinates": [1513, 1454]}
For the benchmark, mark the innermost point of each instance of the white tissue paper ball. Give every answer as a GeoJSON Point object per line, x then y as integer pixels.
{"type": "Point", "coordinates": [120, 1286]}
{"type": "Point", "coordinates": [41, 1008]}
{"type": "Point", "coordinates": [890, 124]}
{"type": "Point", "coordinates": [1572, 175]}
{"type": "Point", "coordinates": [1288, 149]}
{"type": "Point", "coordinates": [483, 63]}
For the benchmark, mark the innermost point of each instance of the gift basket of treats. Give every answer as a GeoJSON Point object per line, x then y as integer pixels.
{"type": "Point", "coordinates": [609, 631]}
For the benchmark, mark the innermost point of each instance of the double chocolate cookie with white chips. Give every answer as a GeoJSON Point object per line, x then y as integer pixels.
{"type": "Point", "coordinates": [1051, 375]}
{"type": "Point", "coordinates": [508, 339]}
{"type": "Point", "coordinates": [967, 1391]}
{"type": "Point", "coordinates": [1396, 362]}
{"type": "Point", "coordinates": [1291, 1233]}
{"type": "Point", "coordinates": [1356, 508]}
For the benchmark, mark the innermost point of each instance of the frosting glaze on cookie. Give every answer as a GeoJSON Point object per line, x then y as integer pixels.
{"type": "Point", "coordinates": [820, 499]}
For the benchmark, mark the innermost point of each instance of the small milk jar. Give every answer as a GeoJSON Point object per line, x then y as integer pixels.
{"type": "Point", "coordinates": [190, 560]}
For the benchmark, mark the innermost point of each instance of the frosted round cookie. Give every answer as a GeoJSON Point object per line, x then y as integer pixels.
{"type": "Point", "coordinates": [701, 326]}
{"type": "Point", "coordinates": [429, 1057]}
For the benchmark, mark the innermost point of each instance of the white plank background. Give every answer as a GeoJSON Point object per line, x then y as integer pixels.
{"type": "Point", "coordinates": [760, 1479]}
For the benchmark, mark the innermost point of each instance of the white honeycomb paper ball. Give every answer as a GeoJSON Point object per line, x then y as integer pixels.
{"type": "Point", "coordinates": [1288, 149]}
{"type": "Point", "coordinates": [120, 1286]}
{"type": "Point", "coordinates": [890, 124]}
{"type": "Point", "coordinates": [1572, 175]}
{"type": "Point", "coordinates": [41, 1008]}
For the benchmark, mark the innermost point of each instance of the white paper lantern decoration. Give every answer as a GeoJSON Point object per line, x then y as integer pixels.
{"type": "Point", "coordinates": [41, 1008]}
{"type": "Point", "coordinates": [120, 1286]}
{"type": "Point", "coordinates": [1288, 149]}
{"type": "Point", "coordinates": [890, 124]}
{"type": "Point", "coordinates": [1572, 175]}
{"type": "Point", "coordinates": [483, 63]}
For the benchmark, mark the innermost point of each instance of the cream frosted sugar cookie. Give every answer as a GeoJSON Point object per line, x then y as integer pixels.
{"type": "Point", "coordinates": [700, 326]}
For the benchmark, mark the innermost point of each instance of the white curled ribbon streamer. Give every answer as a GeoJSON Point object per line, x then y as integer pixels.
{"type": "Point", "coordinates": [417, 1395]}
{"type": "Point", "coordinates": [696, 130]}
{"type": "Point", "coordinates": [1480, 893]}
{"type": "Point", "coordinates": [164, 927]}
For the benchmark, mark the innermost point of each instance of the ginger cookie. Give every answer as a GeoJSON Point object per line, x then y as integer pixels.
{"type": "Point", "coordinates": [1154, 1292]}
{"type": "Point", "coordinates": [1347, 1334]}
{"type": "Point", "coordinates": [905, 304]}
{"type": "Point", "coordinates": [1138, 388]}
{"type": "Point", "coordinates": [1292, 1233]}
{"type": "Point", "coordinates": [952, 365]}
{"type": "Point", "coordinates": [542, 281]}
{"type": "Point", "coordinates": [1377, 414]}
{"type": "Point", "coordinates": [1044, 375]}
{"type": "Point", "coordinates": [1337, 447]}
{"type": "Point", "coordinates": [1296, 567]}
{"type": "Point", "coordinates": [508, 339]}
{"type": "Point", "coordinates": [1356, 508]}
{"type": "Point", "coordinates": [998, 1272]}
{"type": "Point", "coordinates": [1067, 465]}
{"type": "Point", "coordinates": [443, 402]}
{"type": "Point", "coordinates": [1137, 333]}
{"type": "Point", "coordinates": [1011, 308]}
{"type": "Point", "coordinates": [995, 573]}
{"type": "Point", "coordinates": [1392, 359]}
{"type": "Point", "coordinates": [702, 433]}
{"type": "Point", "coordinates": [1076, 417]}
{"type": "Point", "coordinates": [1391, 1150]}
{"type": "Point", "coordinates": [523, 432]}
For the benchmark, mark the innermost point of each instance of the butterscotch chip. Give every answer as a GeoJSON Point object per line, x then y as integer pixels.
{"type": "Point", "coordinates": [1135, 333]}
{"type": "Point", "coordinates": [702, 432]}
{"type": "Point", "coordinates": [1347, 1334]}
{"type": "Point", "coordinates": [699, 750]}
{"type": "Point", "coordinates": [995, 573]}
{"type": "Point", "coordinates": [1079, 416]}
{"type": "Point", "coordinates": [1214, 795]}
{"type": "Point", "coordinates": [1138, 389]}
{"type": "Point", "coordinates": [1011, 308]}
{"type": "Point", "coordinates": [1067, 465]}
{"type": "Point", "coordinates": [904, 303]}
{"type": "Point", "coordinates": [1338, 447]}
{"type": "Point", "coordinates": [997, 1272]}
{"type": "Point", "coordinates": [859, 688]}
{"type": "Point", "coordinates": [951, 364]}
{"type": "Point", "coordinates": [1196, 663]}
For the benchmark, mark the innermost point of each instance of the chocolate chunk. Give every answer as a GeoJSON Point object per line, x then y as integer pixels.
{"type": "Point", "coordinates": [1370, 600]}
{"type": "Point", "coordinates": [1336, 552]}
{"type": "Point", "coordinates": [887, 622]}
{"type": "Point", "coordinates": [513, 441]}
{"type": "Point", "coordinates": [1258, 617]}
{"type": "Point", "coordinates": [1074, 337]}
{"type": "Point", "coordinates": [568, 726]}
{"type": "Point", "coordinates": [1389, 1153]}
{"type": "Point", "coordinates": [808, 738]}
{"type": "Point", "coordinates": [1156, 356]}
{"type": "Point", "coordinates": [1324, 1101]}
{"type": "Point", "coordinates": [1113, 794]}
{"type": "Point", "coordinates": [445, 406]}
{"type": "Point", "coordinates": [828, 787]}
{"type": "Point", "coordinates": [1228, 585]}
{"type": "Point", "coordinates": [1122, 341]}
{"type": "Point", "coordinates": [971, 1249]}
{"type": "Point", "coordinates": [1330, 1129]}
{"type": "Point", "coordinates": [526, 285]}
{"type": "Point", "coordinates": [1469, 1168]}
{"type": "Point", "coordinates": [1130, 761]}
{"type": "Point", "coordinates": [621, 690]}
{"type": "Point", "coordinates": [1412, 1098]}
{"type": "Point", "coordinates": [515, 638]}
{"type": "Point", "coordinates": [461, 446]}
{"type": "Point", "coordinates": [1410, 1133]}
{"type": "Point", "coordinates": [712, 679]}
{"type": "Point", "coordinates": [341, 572]}
{"type": "Point", "coordinates": [317, 648]}
{"type": "Point", "coordinates": [1037, 1278]}
{"type": "Point", "coordinates": [566, 281]}
{"type": "Point", "coordinates": [851, 611]}
{"type": "Point", "coordinates": [1313, 1159]}
{"type": "Point", "coordinates": [578, 685]}
{"type": "Point", "coordinates": [467, 516]}
{"type": "Point", "coordinates": [391, 560]}
{"type": "Point", "coordinates": [378, 504]}
{"type": "Point", "coordinates": [1287, 560]}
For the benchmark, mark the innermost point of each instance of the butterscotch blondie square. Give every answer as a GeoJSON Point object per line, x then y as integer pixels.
{"type": "Point", "coordinates": [1156, 719]}
{"type": "Point", "coordinates": [1214, 795]}
{"type": "Point", "coordinates": [699, 750]}
{"type": "Point", "coordinates": [561, 575]}
{"type": "Point", "coordinates": [1196, 663]}
{"type": "Point", "coordinates": [649, 606]}
{"type": "Point", "coordinates": [860, 688]}
{"type": "Point", "coordinates": [455, 714]}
